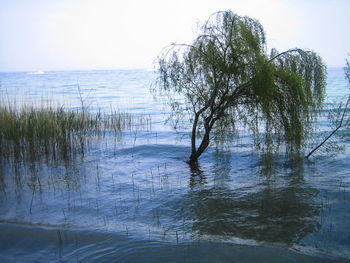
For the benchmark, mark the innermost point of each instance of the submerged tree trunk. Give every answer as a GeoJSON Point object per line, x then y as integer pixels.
{"type": "Point", "coordinates": [194, 130]}
{"type": "Point", "coordinates": [208, 125]}
{"type": "Point", "coordinates": [202, 147]}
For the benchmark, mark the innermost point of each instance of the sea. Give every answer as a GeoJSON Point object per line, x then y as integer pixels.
{"type": "Point", "coordinates": [135, 199]}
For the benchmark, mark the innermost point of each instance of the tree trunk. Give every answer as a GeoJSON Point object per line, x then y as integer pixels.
{"type": "Point", "coordinates": [194, 130]}
{"type": "Point", "coordinates": [203, 146]}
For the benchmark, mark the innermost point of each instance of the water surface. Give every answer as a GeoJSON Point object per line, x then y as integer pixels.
{"type": "Point", "coordinates": [135, 199]}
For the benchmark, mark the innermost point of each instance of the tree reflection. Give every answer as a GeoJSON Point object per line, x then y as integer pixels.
{"type": "Point", "coordinates": [283, 212]}
{"type": "Point", "coordinates": [197, 176]}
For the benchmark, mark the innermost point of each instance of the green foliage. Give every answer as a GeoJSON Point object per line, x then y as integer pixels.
{"type": "Point", "coordinates": [228, 79]}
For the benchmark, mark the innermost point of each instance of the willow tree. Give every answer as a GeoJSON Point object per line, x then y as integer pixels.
{"type": "Point", "coordinates": [228, 80]}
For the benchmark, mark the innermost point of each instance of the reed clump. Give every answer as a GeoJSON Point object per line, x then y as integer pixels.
{"type": "Point", "coordinates": [28, 133]}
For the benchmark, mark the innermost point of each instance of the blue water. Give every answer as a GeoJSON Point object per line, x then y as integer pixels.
{"type": "Point", "coordinates": [135, 199]}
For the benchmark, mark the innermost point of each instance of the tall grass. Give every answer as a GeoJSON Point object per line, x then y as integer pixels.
{"type": "Point", "coordinates": [28, 133]}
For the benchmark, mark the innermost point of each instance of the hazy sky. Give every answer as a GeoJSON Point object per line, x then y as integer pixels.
{"type": "Point", "coordinates": [114, 34]}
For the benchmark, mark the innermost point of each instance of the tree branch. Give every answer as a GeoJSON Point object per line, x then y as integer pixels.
{"type": "Point", "coordinates": [333, 132]}
{"type": "Point", "coordinates": [286, 52]}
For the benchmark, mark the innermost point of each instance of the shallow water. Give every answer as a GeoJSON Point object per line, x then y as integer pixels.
{"type": "Point", "coordinates": [134, 198]}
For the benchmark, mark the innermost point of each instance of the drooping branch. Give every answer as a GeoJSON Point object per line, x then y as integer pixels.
{"type": "Point", "coordinates": [286, 52]}
{"type": "Point", "coordinates": [332, 133]}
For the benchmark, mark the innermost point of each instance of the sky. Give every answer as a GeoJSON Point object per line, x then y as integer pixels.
{"type": "Point", "coordinates": [124, 34]}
